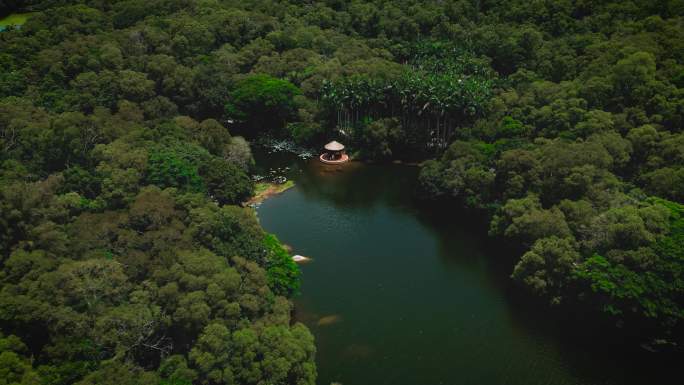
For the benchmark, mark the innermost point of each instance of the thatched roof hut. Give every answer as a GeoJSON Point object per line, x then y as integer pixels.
{"type": "Point", "coordinates": [334, 146]}
{"type": "Point", "coordinates": [334, 153]}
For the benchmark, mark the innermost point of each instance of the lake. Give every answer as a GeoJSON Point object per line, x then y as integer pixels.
{"type": "Point", "coordinates": [399, 294]}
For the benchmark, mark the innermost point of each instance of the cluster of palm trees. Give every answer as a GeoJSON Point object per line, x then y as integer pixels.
{"type": "Point", "coordinates": [432, 97]}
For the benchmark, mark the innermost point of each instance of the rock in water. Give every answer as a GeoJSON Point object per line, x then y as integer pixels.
{"type": "Point", "coordinates": [329, 320]}
{"type": "Point", "coordinates": [300, 259]}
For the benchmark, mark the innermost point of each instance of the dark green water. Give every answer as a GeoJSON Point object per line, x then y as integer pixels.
{"type": "Point", "coordinates": [396, 295]}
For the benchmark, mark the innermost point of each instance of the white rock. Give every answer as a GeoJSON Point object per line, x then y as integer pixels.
{"type": "Point", "coordinates": [300, 258]}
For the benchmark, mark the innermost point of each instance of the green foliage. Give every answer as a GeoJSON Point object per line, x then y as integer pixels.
{"type": "Point", "coordinates": [174, 371]}
{"type": "Point", "coordinates": [545, 268]}
{"type": "Point", "coordinates": [438, 90]}
{"type": "Point", "coordinates": [672, 246]}
{"type": "Point", "coordinates": [118, 373]}
{"type": "Point", "coordinates": [583, 125]}
{"type": "Point", "coordinates": [555, 119]}
{"type": "Point", "coordinates": [15, 365]}
{"type": "Point", "coordinates": [304, 132]}
{"type": "Point", "coordinates": [157, 272]}
{"type": "Point", "coordinates": [79, 180]}
{"type": "Point", "coordinates": [262, 103]}
{"type": "Point", "coordinates": [229, 231]}
{"type": "Point", "coordinates": [225, 357]}
{"type": "Point", "coordinates": [173, 167]}
{"type": "Point", "coordinates": [283, 272]}
{"type": "Point", "coordinates": [226, 182]}
{"type": "Point", "coordinates": [380, 138]}
{"type": "Point", "coordinates": [511, 128]}
{"type": "Point", "coordinates": [14, 19]}
{"type": "Point", "coordinates": [119, 240]}
{"type": "Point", "coordinates": [459, 174]}
{"type": "Point", "coordinates": [653, 290]}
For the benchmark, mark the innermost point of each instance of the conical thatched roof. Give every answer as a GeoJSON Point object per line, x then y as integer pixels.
{"type": "Point", "coordinates": [334, 146]}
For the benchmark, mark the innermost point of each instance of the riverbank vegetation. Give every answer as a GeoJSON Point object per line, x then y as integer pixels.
{"type": "Point", "coordinates": [124, 255]}
{"type": "Point", "coordinates": [578, 162]}
{"type": "Point", "coordinates": [265, 190]}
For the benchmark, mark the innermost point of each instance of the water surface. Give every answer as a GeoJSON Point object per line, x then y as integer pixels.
{"type": "Point", "coordinates": [399, 295]}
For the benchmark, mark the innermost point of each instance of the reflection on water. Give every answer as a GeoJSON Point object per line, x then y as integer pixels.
{"type": "Point", "coordinates": [329, 320]}
{"type": "Point", "coordinates": [358, 351]}
{"type": "Point", "coordinates": [397, 295]}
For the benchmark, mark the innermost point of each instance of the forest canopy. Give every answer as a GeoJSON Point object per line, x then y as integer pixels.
{"type": "Point", "coordinates": [124, 159]}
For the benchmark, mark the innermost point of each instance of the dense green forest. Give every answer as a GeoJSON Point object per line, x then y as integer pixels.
{"type": "Point", "coordinates": [127, 259]}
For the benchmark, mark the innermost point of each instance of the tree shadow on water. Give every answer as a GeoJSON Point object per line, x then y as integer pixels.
{"type": "Point", "coordinates": [357, 186]}
{"type": "Point", "coordinates": [588, 347]}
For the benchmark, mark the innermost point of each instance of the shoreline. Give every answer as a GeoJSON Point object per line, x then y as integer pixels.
{"type": "Point", "coordinates": [265, 190]}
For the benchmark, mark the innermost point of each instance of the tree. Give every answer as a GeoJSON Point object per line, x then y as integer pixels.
{"type": "Point", "coordinates": [226, 182]}
{"type": "Point", "coordinates": [525, 220]}
{"type": "Point", "coordinates": [174, 369]}
{"type": "Point", "coordinates": [665, 182]}
{"type": "Point", "coordinates": [262, 103]}
{"type": "Point", "coordinates": [283, 272]}
{"type": "Point", "coordinates": [119, 373]}
{"type": "Point", "coordinates": [634, 76]}
{"type": "Point", "coordinates": [135, 86]}
{"type": "Point", "coordinates": [211, 355]}
{"type": "Point", "coordinates": [89, 285]}
{"type": "Point", "coordinates": [547, 267]}
{"type": "Point", "coordinates": [213, 136]}
{"type": "Point", "coordinates": [229, 231]}
{"type": "Point", "coordinates": [15, 366]}
{"type": "Point", "coordinates": [239, 153]}
{"type": "Point", "coordinates": [625, 228]}
{"type": "Point", "coordinates": [172, 167]}
{"type": "Point", "coordinates": [381, 137]}
{"type": "Point", "coordinates": [222, 357]}
{"type": "Point", "coordinates": [133, 329]}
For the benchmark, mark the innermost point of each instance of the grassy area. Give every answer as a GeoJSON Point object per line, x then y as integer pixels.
{"type": "Point", "coordinates": [265, 190]}
{"type": "Point", "coordinates": [285, 186]}
{"type": "Point", "coordinates": [14, 19]}
{"type": "Point", "coordinates": [261, 187]}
